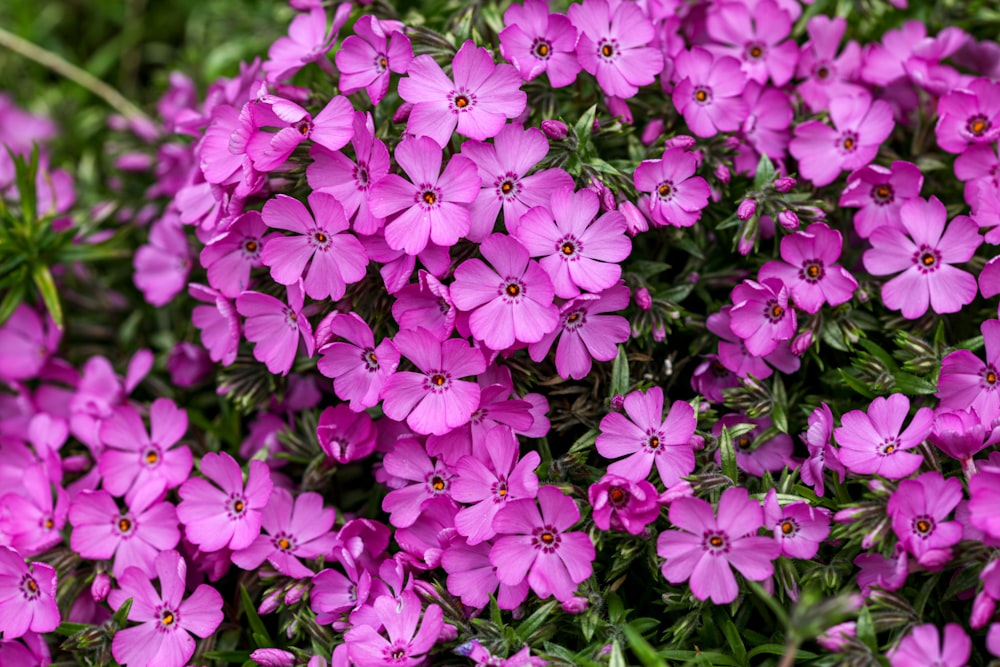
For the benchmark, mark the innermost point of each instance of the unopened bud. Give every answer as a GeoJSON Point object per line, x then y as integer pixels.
{"type": "Point", "coordinates": [575, 605]}
{"type": "Point", "coordinates": [619, 109]}
{"type": "Point", "coordinates": [788, 219]}
{"type": "Point", "coordinates": [448, 633]}
{"type": "Point", "coordinates": [659, 333]}
{"type": "Point", "coordinates": [617, 402]}
{"type": "Point", "coordinates": [295, 594]}
{"type": "Point", "coordinates": [555, 129]}
{"type": "Point", "coordinates": [746, 209]}
{"type": "Point", "coordinates": [101, 587]}
{"type": "Point", "coordinates": [273, 657]}
{"type": "Point", "coordinates": [680, 141]}
{"type": "Point", "coordinates": [784, 184]}
{"type": "Point", "coordinates": [643, 299]}
{"type": "Point", "coordinates": [722, 173]}
{"type": "Point", "coordinates": [982, 611]}
{"type": "Point", "coordinates": [635, 221]}
{"type": "Point", "coordinates": [402, 113]}
{"type": "Point", "coordinates": [652, 131]}
{"type": "Point", "coordinates": [269, 604]}
{"type": "Point", "coordinates": [801, 343]}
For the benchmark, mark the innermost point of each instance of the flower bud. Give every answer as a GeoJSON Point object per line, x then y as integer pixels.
{"type": "Point", "coordinates": [680, 141]}
{"type": "Point", "coordinates": [652, 131]}
{"type": "Point", "coordinates": [188, 364]}
{"type": "Point", "coordinates": [635, 221]}
{"type": "Point", "coordinates": [273, 657]}
{"type": "Point", "coordinates": [619, 109]}
{"type": "Point", "coordinates": [617, 402]}
{"type": "Point", "coordinates": [659, 333]}
{"type": "Point", "coordinates": [101, 587]}
{"type": "Point", "coordinates": [722, 173]}
{"type": "Point", "coordinates": [269, 604]}
{"type": "Point", "coordinates": [982, 611]}
{"type": "Point", "coordinates": [681, 489]}
{"type": "Point", "coordinates": [834, 639]}
{"type": "Point", "coordinates": [575, 605]}
{"type": "Point", "coordinates": [788, 219]}
{"type": "Point", "coordinates": [746, 209]}
{"type": "Point", "coordinates": [402, 113]}
{"type": "Point", "coordinates": [318, 660]}
{"type": "Point", "coordinates": [294, 594]}
{"type": "Point", "coordinates": [448, 633]}
{"type": "Point", "coordinates": [643, 299]}
{"type": "Point", "coordinates": [801, 343]}
{"type": "Point", "coordinates": [784, 184]}
{"type": "Point", "coordinates": [555, 129]}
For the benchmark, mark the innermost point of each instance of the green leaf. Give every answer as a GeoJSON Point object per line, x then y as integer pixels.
{"type": "Point", "coordinates": [911, 384]}
{"type": "Point", "coordinates": [536, 620]}
{"type": "Point", "coordinates": [856, 384]}
{"type": "Point", "coordinates": [617, 658]}
{"type": "Point", "coordinates": [11, 300]}
{"type": "Point", "coordinates": [121, 616]}
{"type": "Point", "coordinates": [258, 631]}
{"type": "Point", "coordinates": [25, 172]}
{"type": "Point", "coordinates": [585, 126]}
{"type": "Point", "coordinates": [765, 173]}
{"type": "Point", "coordinates": [50, 294]}
{"type": "Point", "coordinates": [728, 453]}
{"type": "Point", "coordinates": [619, 373]}
{"type": "Point", "coordinates": [733, 637]}
{"type": "Point", "coordinates": [778, 649]}
{"type": "Point", "coordinates": [67, 629]}
{"type": "Point", "coordinates": [779, 405]}
{"type": "Point", "coordinates": [585, 441]}
{"type": "Point", "coordinates": [641, 648]}
{"type": "Point", "coordinates": [879, 354]}
{"type": "Point", "coordinates": [228, 656]}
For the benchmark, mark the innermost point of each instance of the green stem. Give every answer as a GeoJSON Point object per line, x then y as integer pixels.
{"type": "Point", "coordinates": [73, 73]}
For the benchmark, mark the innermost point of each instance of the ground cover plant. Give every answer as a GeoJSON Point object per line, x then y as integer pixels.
{"type": "Point", "coordinates": [500, 333]}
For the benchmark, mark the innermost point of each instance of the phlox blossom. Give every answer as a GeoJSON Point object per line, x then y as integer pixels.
{"type": "Point", "coordinates": [536, 41]}
{"type": "Point", "coordinates": [27, 596]}
{"type": "Point", "coordinates": [874, 442]}
{"type": "Point", "coordinates": [275, 327]}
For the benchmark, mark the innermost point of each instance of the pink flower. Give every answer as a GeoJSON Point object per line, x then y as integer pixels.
{"type": "Point", "coordinates": [162, 266]}
{"type": "Point", "coordinates": [29, 519]}
{"type": "Point", "coordinates": [537, 545]}
{"type": "Point", "coordinates": [405, 646]}
{"type": "Point", "coordinates": [359, 368]}
{"type": "Point", "coordinates": [420, 479]}
{"type": "Point", "coordinates": [808, 269]}
{"type": "Point", "coordinates": [709, 92]}
{"type": "Point", "coordinates": [535, 41]}
{"type": "Point", "coordinates": [922, 647]}
{"type": "Point", "coordinates": [918, 509]}
{"type": "Point", "coordinates": [969, 116]}
{"type": "Point", "coordinates": [434, 400]}
{"type": "Point", "coordinates": [433, 203]}
{"type": "Point", "coordinates": [873, 443]}
{"type": "Point", "coordinates": [614, 45]}
{"type": "Point", "coordinates": [163, 639]}
{"type": "Point", "coordinates": [219, 324]}
{"type": "Point", "coordinates": [925, 252]}
{"type": "Point", "coordinates": [799, 528]}
{"type": "Point", "coordinates": [984, 498]}
{"type": "Point", "coordinates": [645, 437]}
{"type": "Point", "coordinates": [345, 435]}
{"type": "Point", "coordinates": [827, 75]}
{"type": "Point", "coordinates": [512, 301]}
{"type": "Point", "coordinates": [230, 256]}
{"type": "Point", "coordinates": [879, 194]}
{"type": "Point", "coordinates": [336, 259]}
{"type": "Point", "coordinates": [26, 342]}
{"type": "Point", "coordinates": [478, 102]}
{"type": "Point", "coordinates": [27, 596]}
{"type": "Point", "coordinates": [426, 303]}
{"type": "Point", "coordinates": [366, 60]}
{"type": "Point", "coordinates": [308, 41]}
{"type": "Point", "coordinates": [822, 454]}
{"type": "Point", "coordinates": [675, 195]}
{"type": "Point", "coordinates": [761, 315]}
{"type": "Point", "coordinates": [578, 249]}
{"type": "Point", "coordinates": [757, 39]}
{"type": "Point", "coordinates": [966, 382]}
{"type": "Point", "coordinates": [623, 504]}
{"type": "Point", "coordinates": [707, 547]}
{"type": "Point", "coordinates": [275, 327]}
{"type": "Point", "coordinates": [473, 578]}
{"type": "Point", "coordinates": [229, 513]}
{"type": "Point", "coordinates": [752, 457]}
{"type": "Point", "coordinates": [140, 465]}
{"type": "Point", "coordinates": [332, 128]}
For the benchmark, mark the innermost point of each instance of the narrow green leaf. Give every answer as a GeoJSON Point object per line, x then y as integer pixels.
{"type": "Point", "coordinates": [536, 620]}
{"type": "Point", "coordinates": [50, 294]}
{"type": "Point", "coordinates": [856, 384]}
{"type": "Point", "coordinates": [619, 373]}
{"type": "Point", "coordinates": [770, 602]}
{"type": "Point", "coordinates": [67, 629]}
{"type": "Point", "coordinates": [585, 441]}
{"type": "Point", "coordinates": [641, 648]}
{"type": "Point", "coordinates": [11, 300]}
{"type": "Point", "coordinates": [778, 649]}
{"type": "Point", "coordinates": [779, 404]}
{"type": "Point", "coordinates": [728, 453]}
{"type": "Point", "coordinates": [121, 616]}
{"type": "Point", "coordinates": [733, 637]}
{"type": "Point", "coordinates": [879, 354]}
{"type": "Point", "coordinates": [228, 656]}
{"type": "Point", "coordinates": [765, 173]}
{"type": "Point", "coordinates": [258, 631]}
{"type": "Point", "coordinates": [585, 125]}
{"type": "Point", "coordinates": [617, 658]}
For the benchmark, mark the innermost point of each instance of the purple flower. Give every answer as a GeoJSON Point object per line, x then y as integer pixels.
{"type": "Point", "coordinates": [733, 353]}
{"type": "Point", "coordinates": [434, 400]}
{"type": "Point", "coordinates": [799, 528]}
{"type": "Point", "coordinates": [27, 596]}
{"type": "Point", "coordinates": [873, 444]}
{"type": "Point", "coordinates": [26, 343]}
{"type": "Point", "coordinates": [918, 509]}
{"type": "Point", "coordinates": [503, 168]}
{"type": "Point", "coordinates": [366, 60]}
{"type": "Point", "coordinates": [822, 454]}
{"type": "Point", "coordinates": [767, 130]}
{"type": "Point", "coordinates": [163, 639]}
{"type": "Point", "coordinates": [859, 127]}
{"type": "Point", "coordinates": [291, 532]}
{"type": "Point", "coordinates": [478, 102]}
{"type": "Point", "coordinates": [827, 75]}
{"type": "Point", "coordinates": [707, 547]}
{"type": "Point", "coordinates": [345, 435]}
{"type": "Point", "coordinates": [614, 45]}
{"type": "Point", "coordinates": [419, 479]}
{"type": "Point", "coordinates": [30, 521]}
{"type": "Point", "coordinates": [984, 498]}
{"type": "Point", "coordinates": [133, 537]}
{"type": "Point", "coordinates": [537, 41]}
{"type": "Point", "coordinates": [676, 196]}
{"type": "Point", "coordinates": [711, 378]}
{"type": "Point", "coordinates": [512, 301]}
{"type": "Point", "coordinates": [359, 368]}
{"type": "Point", "coordinates": [332, 128]}
{"type": "Point", "coordinates": [758, 40]}
{"type": "Point", "coordinates": [275, 327]}
{"type": "Point", "coordinates": [923, 648]}
{"type": "Point", "coordinates": [537, 545]}
{"type": "Point", "coordinates": [433, 203]}
{"type": "Point", "coordinates": [227, 514]}
{"type": "Point", "coordinates": [577, 250]}
{"type": "Point", "coordinates": [426, 303]}
{"type": "Point", "coordinates": [586, 333]}
{"type": "Point", "coordinates": [219, 324]}
{"type": "Point", "coordinates": [405, 646]}
{"type": "Point", "coordinates": [752, 457]}
{"type": "Point", "coordinates": [489, 480]}
{"type": "Point", "coordinates": [962, 433]}
{"type": "Point", "coordinates": [623, 504]}
{"type": "Point", "coordinates": [925, 252]}
{"type": "Point", "coordinates": [473, 578]}
{"type": "Point", "coordinates": [308, 41]}
{"type": "Point", "coordinates": [137, 464]}
{"type": "Point", "coordinates": [966, 382]}
{"type": "Point", "coordinates": [709, 92]}
{"type": "Point", "coordinates": [761, 315]}
{"type": "Point", "coordinates": [808, 269]}
{"type": "Point", "coordinates": [336, 259]}
{"type": "Point", "coordinates": [879, 194]}
{"type": "Point", "coordinates": [162, 265]}
{"type": "Point", "coordinates": [969, 116]}
{"type": "Point", "coordinates": [645, 437]}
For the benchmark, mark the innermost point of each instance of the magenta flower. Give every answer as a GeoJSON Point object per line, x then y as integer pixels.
{"type": "Point", "coordinates": [767, 129]}
{"type": "Point", "coordinates": [753, 457]}
{"type": "Point", "coordinates": [707, 547]}
{"type": "Point", "coordinates": [925, 252]}
{"type": "Point", "coordinates": [984, 496]}
{"type": "Point", "coordinates": [614, 45]}
{"type": "Point", "coordinates": [537, 545]}
{"type": "Point", "coordinates": [537, 41]}
{"type": "Point", "coordinates": [230, 256]}
{"type": "Point", "coordinates": [336, 259]}
{"type": "Point", "coordinates": [512, 301]}
{"type": "Point", "coordinates": [822, 454]}
{"type": "Point", "coordinates": [345, 435]}
{"type": "Point", "coordinates": [879, 194]}
{"type": "Point", "coordinates": [733, 353]}
{"type": "Point", "coordinates": [489, 480]}
{"type": "Point", "coordinates": [133, 538]}
{"type": "Point", "coordinates": [578, 250]}
{"type": "Point", "coordinates": [473, 578]}
{"type": "Point", "coordinates": [218, 322]}
{"type": "Point", "coordinates": [675, 195]}
{"type": "Point", "coordinates": [759, 40]}
{"type": "Point", "coordinates": [923, 647]}
{"type": "Point", "coordinates": [873, 444]}
{"type": "Point", "coordinates": [426, 303]}
{"type": "Point", "coordinates": [477, 103]}
{"type": "Point", "coordinates": [308, 41]}
{"type": "Point", "coordinates": [503, 168]}
{"type": "Point", "coordinates": [827, 75]}
{"type": "Point", "coordinates": [29, 519]}
{"type": "Point", "coordinates": [229, 513]}
{"type": "Point", "coordinates": [162, 265]}
{"type": "Point", "coordinates": [799, 528]}
{"type": "Point", "coordinates": [434, 400]}
{"type": "Point", "coordinates": [27, 596]}
{"type": "Point", "coordinates": [859, 127]}
{"type": "Point", "coordinates": [332, 128]}
{"type": "Point", "coordinates": [711, 378]}
{"type": "Point", "coordinates": [405, 646]}
{"type": "Point", "coordinates": [366, 58]}
{"type": "Point", "coordinates": [970, 115]}
{"type": "Point", "coordinates": [433, 203]}
{"type": "Point", "coordinates": [359, 368]}
{"type": "Point", "coordinates": [808, 269]}
{"type": "Point", "coordinates": [919, 509]}
{"type": "Point", "coordinates": [761, 315]}
{"type": "Point", "coordinates": [418, 478]}
{"type": "Point", "coordinates": [645, 437]}
{"type": "Point", "coordinates": [623, 504]}
{"type": "Point", "coordinates": [585, 333]}
{"type": "Point", "coordinates": [276, 327]}
{"type": "Point", "coordinates": [26, 343]}
{"type": "Point", "coordinates": [709, 92]}
{"type": "Point", "coordinates": [141, 465]}
{"type": "Point", "coordinates": [167, 620]}
{"type": "Point", "coordinates": [291, 532]}
{"type": "Point", "coordinates": [350, 182]}
{"type": "Point", "coordinates": [966, 382]}
{"type": "Point", "coordinates": [961, 434]}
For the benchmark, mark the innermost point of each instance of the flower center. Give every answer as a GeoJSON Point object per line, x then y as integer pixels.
{"type": "Point", "coordinates": [754, 51]}
{"type": "Point", "coordinates": [978, 125]}
{"type": "Point", "coordinates": [284, 542]}
{"type": "Point", "coordinates": [822, 72]}
{"type": "Point", "coordinates": [618, 496]}
{"type": "Point", "coordinates": [743, 441]}
{"type": "Point", "coordinates": [461, 101]}
{"type": "Point", "coordinates": [49, 523]}
{"type": "Point", "coordinates": [437, 381]}
{"type": "Point", "coordinates": [715, 542]}
{"type": "Point", "coordinates": [428, 196]}
{"type": "Point", "coordinates": [849, 141]}
{"type": "Point", "coordinates": [124, 525]}
{"type": "Point", "coordinates": [167, 618]}
{"type": "Point", "coordinates": [608, 49]}
{"type": "Point", "coordinates": [546, 538]}
{"type": "Point", "coordinates": [237, 506]}
{"type": "Point", "coordinates": [923, 525]}
{"type": "Point", "coordinates": [29, 588]}
{"type": "Point", "coordinates": [370, 359]}
{"type": "Point", "coordinates": [250, 245]}
{"type": "Point", "coordinates": [541, 49]}
{"type": "Point", "coordinates": [812, 271]}
{"type": "Point", "coordinates": [361, 176]}
{"type": "Point", "coordinates": [927, 259]}
{"type": "Point", "coordinates": [888, 447]}
{"type": "Point", "coordinates": [151, 457]}
{"type": "Point", "coordinates": [883, 194]}
{"type": "Point", "coordinates": [381, 63]}
{"type": "Point", "coordinates": [788, 527]}
{"type": "Point", "coordinates": [702, 95]}
{"type": "Point", "coordinates": [665, 190]}
{"type": "Point", "coordinates": [575, 320]}
{"type": "Point", "coordinates": [989, 377]}
{"type": "Point", "coordinates": [438, 483]}
{"type": "Point", "coordinates": [304, 127]}
{"type": "Point", "coordinates": [320, 240]}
